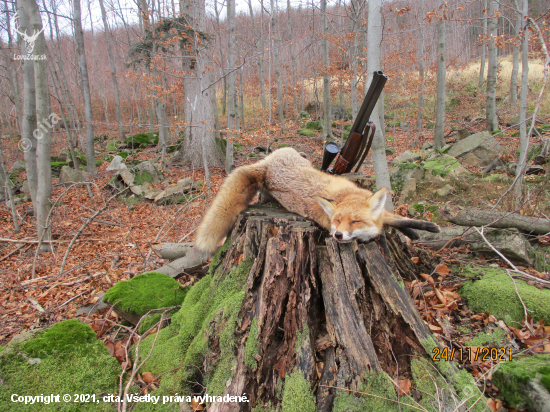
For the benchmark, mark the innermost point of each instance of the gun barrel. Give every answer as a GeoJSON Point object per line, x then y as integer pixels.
{"type": "Point", "coordinates": [375, 89]}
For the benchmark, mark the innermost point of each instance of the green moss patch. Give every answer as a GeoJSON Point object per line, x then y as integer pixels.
{"type": "Point", "coordinates": [441, 166]}
{"type": "Point", "coordinates": [314, 125]}
{"type": "Point", "coordinates": [297, 395]}
{"type": "Point", "coordinates": [145, 292]}
{"type": "Point", "coordinates": [495, 293]}
{"type": "Point", "coordinates": [375, 394]}
{"type": "Point", "coordinates": [211, 308]}
{"type": "Point", "coordinates": [512, 377]}
{"type": "Point", "coordinates": [495, 337]}
{"type": "Point", "coordinates": [142, 140]}
{"type": "Point", "coordinates": [62, 337]}
{"type": "Point", "coordinates": [306, 132]}
{"type": "Point", "coordinates": [82, 366]}
{"type": "Point", "coordinates": [252, 345]}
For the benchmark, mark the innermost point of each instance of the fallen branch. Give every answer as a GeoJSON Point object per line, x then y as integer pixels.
{"type": "Point", "coordinates": [503, 220]}
{"type": "Point", "coordinates": [171, 251]}
{"type": "Point", "coordinates": [191, 262]}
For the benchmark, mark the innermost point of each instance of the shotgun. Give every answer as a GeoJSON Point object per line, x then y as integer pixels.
{"type": "Point", "coordinates": [361, 134]}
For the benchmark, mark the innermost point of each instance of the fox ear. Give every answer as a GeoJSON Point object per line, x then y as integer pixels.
{"type": "Point", "coordinates": [377, 203]}
{"type": "Point", "coordinates": [327, 206]}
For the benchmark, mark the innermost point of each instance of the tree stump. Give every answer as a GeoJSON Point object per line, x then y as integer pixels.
{"type": "Point", "coordinates": [317, 315]}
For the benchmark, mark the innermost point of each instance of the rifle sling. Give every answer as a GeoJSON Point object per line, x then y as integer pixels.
{"type": "Point", "coordinates": [372, 128]}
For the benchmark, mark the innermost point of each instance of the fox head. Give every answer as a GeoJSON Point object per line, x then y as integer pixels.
{"type": "Point", "coordinates": [356, 216]}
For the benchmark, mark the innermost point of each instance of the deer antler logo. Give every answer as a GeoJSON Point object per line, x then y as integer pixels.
{"type": "Point", "coordinates": [29, 40]}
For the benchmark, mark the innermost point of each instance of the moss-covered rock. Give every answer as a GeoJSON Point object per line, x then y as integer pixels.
{"type": "Point", "coordinates": [72, 361]}
{"type": "Point", "coordinates": [314, 125]}
{"type": "Point", "coordinates": [306, 132]}
{"type": "Point", "coordinates": [512, 378]}
{"type": "Point", "coordinates": [145, 292]}
{"type": "Point", "coordinates": [142, 140]}
{"type": "Point", "coordinates": [495, 293]}
{"type": "Point", "coordinates": [441, 166]}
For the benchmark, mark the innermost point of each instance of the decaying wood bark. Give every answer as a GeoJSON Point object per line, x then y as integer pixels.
{"type": "Point", "coordinates": [477, 217]}
{"type": "Point", "coordinates": [332, 311]}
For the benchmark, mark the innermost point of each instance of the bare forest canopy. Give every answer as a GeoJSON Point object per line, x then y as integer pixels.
{"type": "Point", "coordinates": [295, 25]}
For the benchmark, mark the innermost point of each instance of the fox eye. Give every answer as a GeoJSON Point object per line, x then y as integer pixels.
{"type": "Point", "coordinates": [337, 221]}
{"type": "Point", "coordinates": [355, 221]}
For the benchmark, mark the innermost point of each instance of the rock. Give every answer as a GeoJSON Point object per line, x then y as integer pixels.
{"type": "Point", "coordinates": [482, 144]}
{"type": "Point", "coordinates": [145, 171]}
{"type": "Point", "coordinates": [136, 189]}
{"type": "Point", "coordinates": [17, 340]}
{"type": "Point", "coordinates": [427, 146]}
{"type": "Point", "coordinates": [471, 160]}
{"type": "Point", "coordinates": [406, 156]}
{"type": "Point", "coordinates": [18, 165]}
{"type": "Point", "coordinates": [519, 382]}
{"type": "Point", "coordinates": [127, 177]}
{"type": "Point", "coordinates": [185, 182]}
{"type": "Point", "coordinates": [117, 164]}
{"type": "Point", "coordinates": [409, 187]}
{"type": "Point", "coordinates": [405, 171]}
{"type": "Point", "coordinates": [441, 166]}
{"type": "Point", "coordinates": [512, 168]}
{"type": "Point", "coordinates": [445, 190]}
{"type": "Point", "coordinates": [62, 156]}
{"type": "Point", "coordinates": [462, 134]}
{"type": "Point", "coordinates": [339, 112]}
{"type": "Point", "coordinates": [175, 191]}
{"type": "Point", "coordinates": [68, 176]}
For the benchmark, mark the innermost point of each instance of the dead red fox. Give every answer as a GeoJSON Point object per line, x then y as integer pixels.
{"type": "Point", "coordinates": [333, 202]}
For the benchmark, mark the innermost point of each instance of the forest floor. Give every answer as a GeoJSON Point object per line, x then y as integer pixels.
{"type": "Point", "coordinates": [105, 253]}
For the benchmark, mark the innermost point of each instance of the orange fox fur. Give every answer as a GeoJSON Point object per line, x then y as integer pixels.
{"type": "Point", "coordinates": [334, 202]}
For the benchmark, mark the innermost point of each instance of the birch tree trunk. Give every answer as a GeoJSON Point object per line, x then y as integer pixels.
{"type": "Point", "coordinates": [490, 105]}
{"type": "Point", "coordinates": [374, 47]}
{"type": "Point", "coordinates": [79, 37]}
{"type": "Point", "coordinates": [515, 62]}
{"type": "Point", "coordinates": [327, 121]}
{"type": "Point", "coordinates": [28, 123]}
{"type": "Point", "coordinates": [112, 66]}
{"type": "Point", "coordinates": [43, 135]}
{"type": "Point", "coordinates": [523, 137]}
{"type": "Point", "coordinates": [232, 98]}
{"type": "Point", "coordinates": [439, 135]}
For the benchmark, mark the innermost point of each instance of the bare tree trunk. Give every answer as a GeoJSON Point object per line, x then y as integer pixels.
{"type": "Point", "coordinates": [79, 36]}
{"type": "Point", "coordinates": [222, 60]}
{"type": "Point", "coordinates": [43, 135]}
{"type": "Point", "coordinates": [6, 189]}
{"type": "Point", "coordinates": [28, 123]}
{"type": "Point", "coordinates": [439, 135]}
{"type": "Point", "coordinates": [112, 65]}
{"type": "Point", "coordinates": [10, 68]}
{"type": "Point", "coordinates": [523, 137]}
{"type": "Point", "coordinates": [200, 145]}
{"type": "Point", "coordinates": [420, 59]}
{"type": "Point", "coordinates": [483, 47]}
{"type": "Point", "coordinates": [232, 100]}
{"type": "Point", "coordinates": [327, 120]}
{"type": "Point", "coordinates": [490, 106]}
{"type": "Point", "coordinates": [292, 58]}
{"type": "Point", "coordinates": [97, 75]}
{"type": "Point", "coordinates": [374, 39]}
{"type": "Point", "coordinates": [241, 91]}
{"type": "Point", "coordinates": [276, 43]}
{"type": "Point", "coordinates": [515, 63]}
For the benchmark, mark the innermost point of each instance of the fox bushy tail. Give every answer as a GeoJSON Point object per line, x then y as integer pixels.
{"type": "Point", "coordinates": [234, 196]}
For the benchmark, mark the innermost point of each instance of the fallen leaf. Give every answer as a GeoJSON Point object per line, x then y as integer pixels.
{"type": "Point", "coordinates": [442, 269]}
{"type": "Point", "coordinates": [415, 259]}
{"type": "Point", "coordinates": [148, 377]}
{"type": "Point", "coordinates": [404, 386]}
